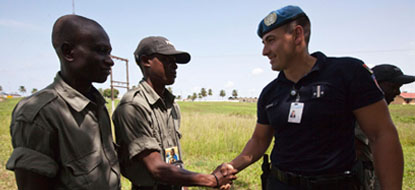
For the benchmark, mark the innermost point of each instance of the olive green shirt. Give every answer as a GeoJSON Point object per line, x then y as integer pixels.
{"type": "Point", "coordinates": [59, 133]}
{"type": "Point", "coordinates": [145, 121]}
{"type": "Point", "coordinates": [370, 181]}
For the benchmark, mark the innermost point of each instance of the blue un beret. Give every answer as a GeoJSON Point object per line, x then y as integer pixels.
{"type": "Point", "coordinates": [278, 18]}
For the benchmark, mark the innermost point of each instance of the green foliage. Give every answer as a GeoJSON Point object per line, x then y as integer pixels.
{"type": "Point", "coordinates": [34, 90]}
{"type": "Point", "coordinates": [222, 93]}
{"type": "Point", "coordinates": [234, 93]}
{"type": "Point", "coordinates": [22, 89]}
{"type": "Point", "coordinates": [107, 93]}
{"type": "Point", "coordinates": [203, 92]}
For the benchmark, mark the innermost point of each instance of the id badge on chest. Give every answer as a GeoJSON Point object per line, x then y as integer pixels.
{"type": "Point", "coordinates": [296, 111]}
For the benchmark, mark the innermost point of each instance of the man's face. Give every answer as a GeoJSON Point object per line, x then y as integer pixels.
{"type": "Point", "coordinates": [390, 89]}
{"type": "Point", "coordinates": [92, 61]}
{"type": "Point", "coordinates": [162, 69]}
{"type": "Point", "coordinates": [278, 47]}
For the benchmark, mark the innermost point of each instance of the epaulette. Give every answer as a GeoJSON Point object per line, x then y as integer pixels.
{"type": "Point", "coordinates": [28, 108]}
{"type": "Point", "coordinates": [129, 96]}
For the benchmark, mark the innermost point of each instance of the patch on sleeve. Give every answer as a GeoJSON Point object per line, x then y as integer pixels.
{"type": "Point", "coordinates": [367, 68]}
{"type": "Point", "coordinates": [376, 82]}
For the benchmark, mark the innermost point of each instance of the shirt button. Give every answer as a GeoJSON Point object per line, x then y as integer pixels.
{"type": "Point", "coordinates": [293, 92]}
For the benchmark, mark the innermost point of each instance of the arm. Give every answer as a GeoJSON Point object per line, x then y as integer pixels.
{"type": "Point", "coordinates": [171, 174]}
{"type": "Point", "coordinates": [255, 147]}
{"type": "Point", "coordinates": [28, 180]}
{"type": "Point", "coordinates": [375, 121]}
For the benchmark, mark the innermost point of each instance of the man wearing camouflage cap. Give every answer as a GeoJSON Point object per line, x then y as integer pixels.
{"type": "Point", "coordinates": [314, 148]}
{"type": "Point", "coordinates": [390, 79]}
{"type": "Point", "coordinates": [147, 122]}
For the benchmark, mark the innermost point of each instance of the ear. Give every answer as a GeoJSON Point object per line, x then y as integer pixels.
{"type": "Point", "coordinates": [145, 61]}
{"type": "Point", "coordinates": [67, 51]}
{"type": "Point", "coordinates": [298, 34]}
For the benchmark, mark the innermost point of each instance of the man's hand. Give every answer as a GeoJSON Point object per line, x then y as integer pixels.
{"type": "Point", "coordinates": [225, 174]}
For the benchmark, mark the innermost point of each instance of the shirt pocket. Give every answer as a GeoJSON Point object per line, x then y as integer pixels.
{"type": "Point", "coordinates": [85, 164]}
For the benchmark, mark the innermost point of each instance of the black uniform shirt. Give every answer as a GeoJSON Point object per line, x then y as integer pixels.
{"type": "Point", "coordinates": [323, 142]}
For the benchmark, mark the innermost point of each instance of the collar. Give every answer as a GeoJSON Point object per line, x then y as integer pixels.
{"type": "Point", "coordinates": [321, 61]}
{"type": "Point", "coordinates": [74, 98]}
{"type": "Point", "coordinates": [153, 97]}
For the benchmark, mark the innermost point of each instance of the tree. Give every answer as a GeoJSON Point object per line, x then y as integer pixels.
{"type": "Point", "coordinates": [200, 96]}
{"type": "Point", "coordinates": [203, 93]}
{"type": "Point", "coordinates": [222, 93]}
{"type": "Point", "coordinates": [22, 89]}
{"type": "Point", "coordinates": [194, 96]}
{"type": "Point", "coordinates": [179, 97]}
{"type": "Point", "coordinates": [189, 97]}
{"type": "Point", "coordinates": [34, 90]}
{"type": "Point", "coordinates": [235, 94]}
{"type": "Point", "coordinates": [107, 93]}
{"type": "Point", "coordinates": [210, 92]}
{"type": "Point", "coordinates": [1, 88]}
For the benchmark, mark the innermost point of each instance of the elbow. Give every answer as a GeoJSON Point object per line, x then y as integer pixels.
{"type": "Point", "coordinates": [159, 173]}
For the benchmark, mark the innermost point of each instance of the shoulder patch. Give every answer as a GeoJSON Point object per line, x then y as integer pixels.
{"type": "Point", "coordinates": [28, 108]}
{"type": "Point", "coordinates": [367, 68]}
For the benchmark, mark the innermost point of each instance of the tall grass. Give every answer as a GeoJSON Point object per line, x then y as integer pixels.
{"type": "Point", "coordinates": [7, 180]}
{"type": "Point", "coordinates": [216, 132]}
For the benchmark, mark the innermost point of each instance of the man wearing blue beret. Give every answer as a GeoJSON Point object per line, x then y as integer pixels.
{"type": "Point", "coordinates": [311, 109]}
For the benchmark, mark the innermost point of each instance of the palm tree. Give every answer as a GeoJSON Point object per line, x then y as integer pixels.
{"type": "Point", "coordinates": [203, 92]}
{"type": "Point", "coordinates": [22, 89]}
{"type": "Point", "coordinates": [34, 90]}
{"type": "Point", "coordinates": [222, 93]}
{"type": "Point", "coordinates": [234, 94]}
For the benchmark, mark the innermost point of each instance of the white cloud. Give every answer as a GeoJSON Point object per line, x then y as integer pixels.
{"type": "Point", "coordinates": [229, 84]}
{"type": "Point", "coordinates": [257, 71]}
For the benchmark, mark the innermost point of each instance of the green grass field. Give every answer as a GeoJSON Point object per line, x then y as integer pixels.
{"type": "Point", "coordinates": [216, 132]}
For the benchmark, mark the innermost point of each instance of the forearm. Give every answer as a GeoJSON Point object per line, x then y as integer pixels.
{"type": "Point", "coordinates": [252, 152]}
{"type": "Point", "coordinates": [28, 180]}
{"type": "Point", "coordinates": [170, 174]}
{"type": "Point", "coordinates": [388, 160]}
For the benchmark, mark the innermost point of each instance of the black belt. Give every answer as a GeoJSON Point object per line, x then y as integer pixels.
{"type": "Point", "coordinates": [156, 187]}
{"type": "Point", "coordinates": [344, 180]}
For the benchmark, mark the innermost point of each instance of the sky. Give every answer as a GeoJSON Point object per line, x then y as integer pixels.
{"type": "Point", "coordinates": [220, 36]}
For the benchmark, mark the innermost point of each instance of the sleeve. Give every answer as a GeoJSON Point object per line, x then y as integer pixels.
{"type": "Point", "coordinates": [33, 148]}
{"type": "Point", "coordinates": [364, 89]}
{"type": "Point", "coordinates": [134, 130]}
{"type": "Point", "coordinates": [261, 111]}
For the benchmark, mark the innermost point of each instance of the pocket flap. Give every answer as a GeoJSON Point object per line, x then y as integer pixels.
{"type": "Point", "coordinates": [85, 164]}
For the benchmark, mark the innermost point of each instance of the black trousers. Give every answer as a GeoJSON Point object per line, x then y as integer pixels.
{"type": "Point", "coordinates": [274, 184]}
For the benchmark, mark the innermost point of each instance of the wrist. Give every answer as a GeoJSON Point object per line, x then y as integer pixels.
{"type": "Point", "coordinates": [216, 180]}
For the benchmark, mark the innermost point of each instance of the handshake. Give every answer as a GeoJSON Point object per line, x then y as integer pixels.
{"type": "Point", "coordinates": [224, 175]}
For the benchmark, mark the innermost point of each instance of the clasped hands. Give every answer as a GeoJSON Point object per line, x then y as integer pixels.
{"type": "Point", "coordinates": [224, 174]}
